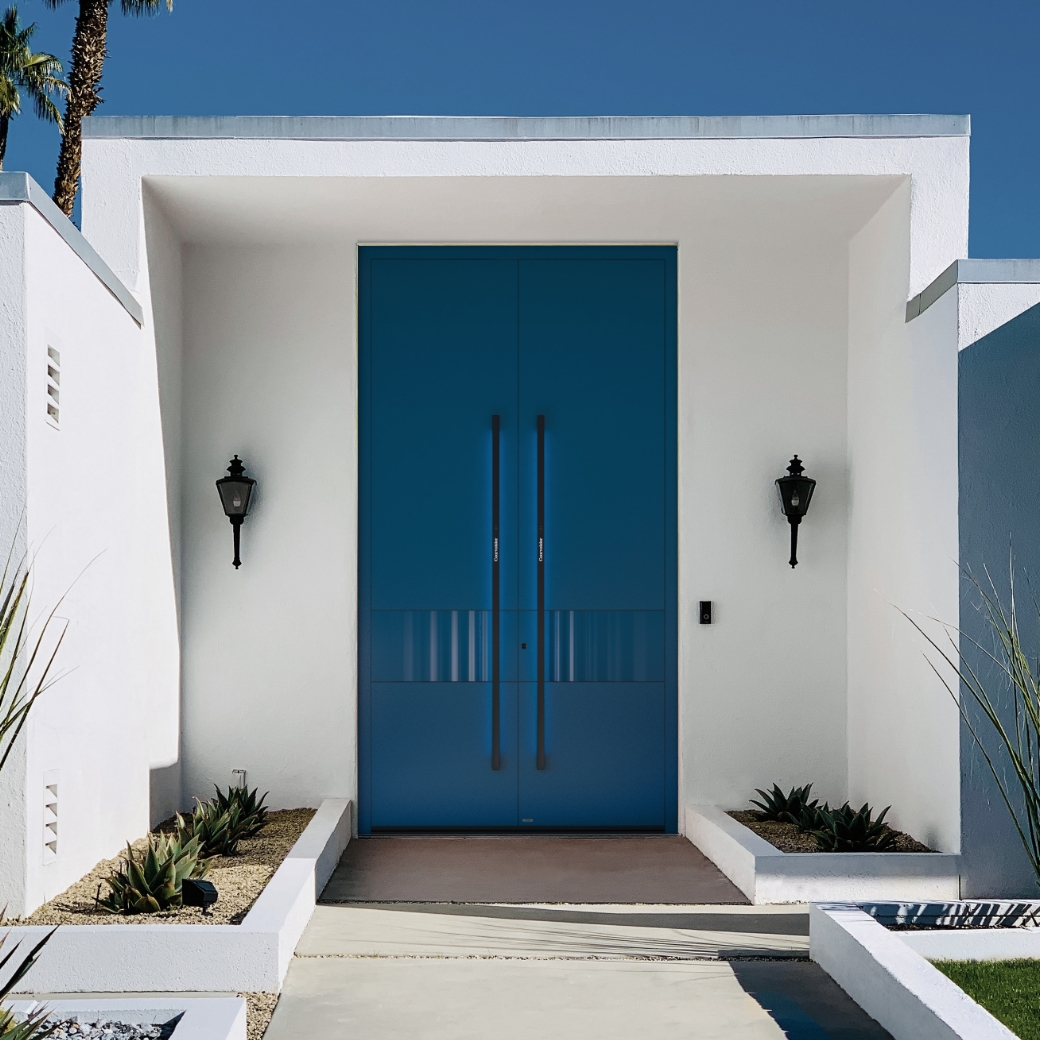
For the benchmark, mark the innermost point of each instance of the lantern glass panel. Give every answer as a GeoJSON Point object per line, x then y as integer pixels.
{"type": "Point", "coordinates": [795, 494]}
{"type": "Point", "coordinates": [234, 496]}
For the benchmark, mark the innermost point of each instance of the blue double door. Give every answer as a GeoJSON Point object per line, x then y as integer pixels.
{"type": "Point", "coordinates": [517, 539]}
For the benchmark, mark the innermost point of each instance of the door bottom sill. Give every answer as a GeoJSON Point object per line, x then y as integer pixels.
{"type": "Point", "coordinates": [498, 831]}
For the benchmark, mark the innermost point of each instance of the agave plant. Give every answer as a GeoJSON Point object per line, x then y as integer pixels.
{"type": "Point", "coordinates": [810, 817]}
{"type": "Point", "coordinates": [850, 830]}
{"type": "Point", "coordinates": [217, 831]}
{"type": "Point", "coordinates": [252, 814]}
{"type": "Point", "coordinates": [34, 1025]}
{"type": "Point", "coordinates": [784, 808]}
{"type": "Point", "coordinates": [155, 882]}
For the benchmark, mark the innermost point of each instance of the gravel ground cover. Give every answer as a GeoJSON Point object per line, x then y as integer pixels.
{"type": "Point", "coordinates": [239, 880]}
{"type": "Point", "coordinates": [70, 1029]}
{"type": "Point", "coordinates": [259, 1009]}
{"type": "Point", "coordinates": [787, 838]}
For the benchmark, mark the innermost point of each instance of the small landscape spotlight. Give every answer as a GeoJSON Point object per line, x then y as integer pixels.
{"type": "Point", "coordinates": [198, 893]}
{"type": "Point", "coordinates": [235, 491]}
{"type": "Point", "coordinates": [796, 492]}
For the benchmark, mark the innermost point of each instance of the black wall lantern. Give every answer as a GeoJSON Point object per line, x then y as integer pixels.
{"type": "Point", "coordinates": [235, 491]}
{"type": "Point", "coordinates": [795, 494]}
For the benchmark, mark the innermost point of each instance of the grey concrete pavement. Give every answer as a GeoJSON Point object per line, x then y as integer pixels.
{"type": "Point", "coordinates": [449, 999]}
{"type": "Point", "coordinates": [574, 932]}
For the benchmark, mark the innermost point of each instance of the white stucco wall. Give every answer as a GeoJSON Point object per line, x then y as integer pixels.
{"type": "Point", "coordinates": [795, 259]}
{"type": "Point", "coordinates": [270, 666]}
{"type": "Point", "coordinates": [14, 485]}
{"type": "Point", "coordinates": [903, 549]}
{"type": "Point", "coordinates": [96, 531]}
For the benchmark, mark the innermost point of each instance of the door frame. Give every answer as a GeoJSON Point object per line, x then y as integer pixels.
{"type": "Point", "coordinates": [669, 255]}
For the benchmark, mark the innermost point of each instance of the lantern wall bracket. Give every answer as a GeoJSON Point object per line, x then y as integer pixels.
{"type": "Point", "coordinates": [796, 491]}
{"type": "Point", "coordinates": [236, 490]}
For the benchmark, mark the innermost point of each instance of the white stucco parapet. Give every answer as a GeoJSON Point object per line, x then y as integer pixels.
{"type": "Point", "coordinates": [556, 128]}
{"type": "Point", "coordinates": [153, 958]}
{"type": "Point", "coordinates": [766, 875]}
{"type": "Point", "coordinates": [121, 152]}
{"type": "Point", "coordinates": [21, 188]}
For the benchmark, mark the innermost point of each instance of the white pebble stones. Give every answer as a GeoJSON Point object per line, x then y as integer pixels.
{"type": "Point", "coordinates": [70, 1029]}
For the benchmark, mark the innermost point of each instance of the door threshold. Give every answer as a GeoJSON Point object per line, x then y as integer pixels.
{"type": "Point", "coordinates": [574, 832]}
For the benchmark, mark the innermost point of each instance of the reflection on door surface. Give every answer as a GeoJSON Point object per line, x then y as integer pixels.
{"type": "Point", "coordinates": [517, 539]}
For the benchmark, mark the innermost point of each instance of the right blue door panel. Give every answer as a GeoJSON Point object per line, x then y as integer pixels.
{"type": "Point", "coordinates": [584, 339]}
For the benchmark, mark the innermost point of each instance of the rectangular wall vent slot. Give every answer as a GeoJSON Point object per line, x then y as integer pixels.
{"type": "Point", "coordinates": [53, 385]}
{"type": "Point", "coordinates": [50, 815]}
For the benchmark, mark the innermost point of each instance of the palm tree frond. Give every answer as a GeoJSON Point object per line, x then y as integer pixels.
{"type": "Point", "coordinates": [145, 7]}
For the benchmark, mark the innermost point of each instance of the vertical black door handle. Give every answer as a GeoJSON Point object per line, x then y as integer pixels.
{"type": "Point", "coordinates": [541, 592]}
{"type": "Point", "coordinates": [496, 712]}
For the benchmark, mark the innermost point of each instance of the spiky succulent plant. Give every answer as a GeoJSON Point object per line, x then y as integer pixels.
{"type": "Point", "coordinates": [252, 813]}
{"type": "Point", "coordinates": [851, 830]}
{"type": "Point", "coordinates": [217, 831]}
{"type": "Point", "coordinates": [784, 808]}
{"type": "Point", "coordinates": [154, 883]}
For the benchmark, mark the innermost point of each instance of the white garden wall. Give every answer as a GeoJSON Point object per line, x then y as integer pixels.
{"type": "Point", "coordinates": [93, 503]}
{"type": "Point", "coordinates": [903, 726]}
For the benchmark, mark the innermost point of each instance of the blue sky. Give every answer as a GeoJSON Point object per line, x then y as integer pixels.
{"type": "Point", "coordinates": [542, 57]}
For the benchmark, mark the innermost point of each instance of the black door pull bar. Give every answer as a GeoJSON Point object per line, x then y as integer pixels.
{"type": "Point", "coordinates": [541, 592]}
{"type": "Point", "coordinates": [496, 712]}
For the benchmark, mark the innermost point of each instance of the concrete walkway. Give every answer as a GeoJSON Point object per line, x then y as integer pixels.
{"type": "Point", "coordinates": [426, 970]}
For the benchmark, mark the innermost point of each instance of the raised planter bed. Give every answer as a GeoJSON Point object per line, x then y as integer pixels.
{"type": "Point", "coordinates": [964, 930]}
{"type": "Point", "coordinates": [239, 880]}
{"type": "Point", "coordinates": [892, 982]}
{"type": "Point", "coordinates": [766, 875]}
{"type": "Point", "coordinates": [201, 1018]}
{"type": "Point", "coordinates": [249, 957]}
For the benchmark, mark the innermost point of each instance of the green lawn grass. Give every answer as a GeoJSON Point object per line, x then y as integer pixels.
{"type": "Point", "coordinates": [1008, 990]}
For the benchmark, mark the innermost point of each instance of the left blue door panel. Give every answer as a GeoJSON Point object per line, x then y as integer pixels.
{"type": "Point", "coordinates": [446, 362]}
{"type": "Point", "coordinates": [432, 762]}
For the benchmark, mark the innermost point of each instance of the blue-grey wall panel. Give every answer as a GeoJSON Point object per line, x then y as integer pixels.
{"type": "Point", "coordinates": [999, 516]}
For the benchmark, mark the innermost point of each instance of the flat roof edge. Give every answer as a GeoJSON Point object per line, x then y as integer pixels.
{"type": "Point", "coordinates": [974, 272]}
{"type": "Point", "coordinates": [521, 128]}
{"type": "Point", "coordinates": [20, 187]}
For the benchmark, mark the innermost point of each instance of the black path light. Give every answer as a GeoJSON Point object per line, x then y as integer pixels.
{"type": "Point", "coordinates": [796, 492]}
{"type": "Point", "coordinates": [235, 491]}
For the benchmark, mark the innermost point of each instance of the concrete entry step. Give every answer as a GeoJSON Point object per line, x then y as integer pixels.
{"type": "Point", "coordinates": [528, 868]}
{"type": "Point", "coordinates": [346, 998]}
{"type": "Point", "coordinates": [607, 931]}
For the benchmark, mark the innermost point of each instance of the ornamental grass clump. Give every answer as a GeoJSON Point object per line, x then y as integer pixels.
{"type": "Point", "coordinates": [1002, 683]}
{"type": "Point", "coordinates": [851, 830]}
{"type": "Point", "coordinates": [35, 1023]}
{"type": "Point", "coordinates": [26, 663]}
{"type": "Point", "coordinates": [154, 883]}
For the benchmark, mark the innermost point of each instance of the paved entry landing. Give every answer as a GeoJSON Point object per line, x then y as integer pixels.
{"type": "Point", "coordinates": [628, 869]}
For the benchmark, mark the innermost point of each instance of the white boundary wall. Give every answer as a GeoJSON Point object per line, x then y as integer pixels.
{"type": "Point", "coordinates": [86, 499]}
{"type": "Point", "coordinates": [249, 957]}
